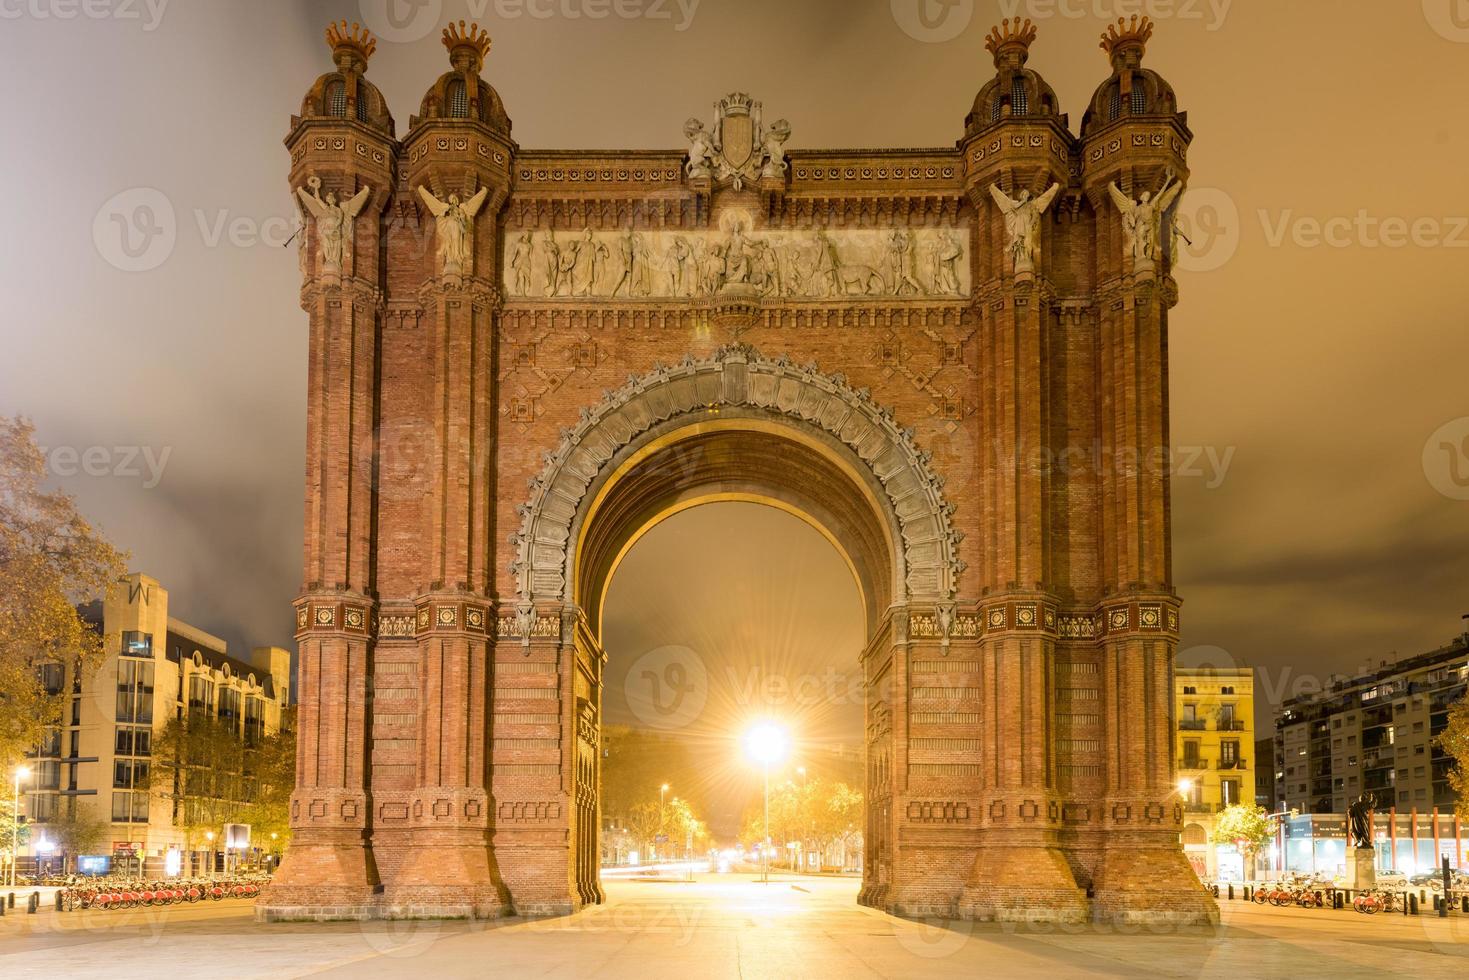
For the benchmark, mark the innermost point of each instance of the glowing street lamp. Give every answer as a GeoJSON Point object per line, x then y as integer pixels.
{"type": "Point", "coordinates": [766, 743]}
{"type": "Point", "coordinates": [21, 772]}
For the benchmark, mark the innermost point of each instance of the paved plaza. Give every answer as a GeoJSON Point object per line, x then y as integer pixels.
{"type": "Point", "coordinates": [724, 926]}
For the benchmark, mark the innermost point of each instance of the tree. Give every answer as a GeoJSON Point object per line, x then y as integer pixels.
{"type": "Point", "coordinates": [50, 559]}
{"type": "Point", "coordinates": [1244, 825]}
{"type": "Point", "coordinates": [816, 812]}
{"type": "Point", "coordinates": [212, 777]}
{"type": "Point", "coordinates": [1454, 740]}
{"type": "Point", "coordinates": [13, 832]}
{"type": "Point", "coordinates": [77, 831]}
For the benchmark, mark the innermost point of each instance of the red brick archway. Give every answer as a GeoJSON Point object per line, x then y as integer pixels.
{"type": "Point", "coordinates": [962, 353]}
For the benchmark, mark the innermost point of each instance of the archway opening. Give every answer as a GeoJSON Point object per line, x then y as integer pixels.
{"type": "Point", "coordinates": [719, 615]}
{"type": "Point", "coordinates": [732, 571]}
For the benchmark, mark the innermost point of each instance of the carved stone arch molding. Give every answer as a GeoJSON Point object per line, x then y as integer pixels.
{"type": "Point", "coordinates": [738, 377]}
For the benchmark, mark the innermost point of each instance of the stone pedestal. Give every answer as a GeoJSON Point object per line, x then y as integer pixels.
{"type": "Point", "coordinates": [1362, 868]}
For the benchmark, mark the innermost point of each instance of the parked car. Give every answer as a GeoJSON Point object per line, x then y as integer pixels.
{"type": "Point", "coordinates": [1433, 880]}
{"type": "Point", "coordinates": [1391, 879]}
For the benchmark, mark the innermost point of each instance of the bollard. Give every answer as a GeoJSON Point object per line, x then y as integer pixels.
{"type": "Point", "coordinates": [1338, 901]}
{"type": "Point", "coordinates": [1231, 891]}
{"type": "Point", "coordinates": [58, 900]}
{"type": "Point", "coordinates": [12, 899]}
{"type": "Point", "coordinates": [1249, 893]}
{"type": "Point", "coordinates": [1216, 891]}
{"type": "Point", "coordinates": [1413, 904]}
{"type": "Point", "coordinates": [33, 904]}
{"type": "Point", "coordinates": [1465, 906]}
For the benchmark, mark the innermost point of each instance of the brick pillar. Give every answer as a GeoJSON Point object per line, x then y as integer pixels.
{"type": "Point", "coordinates": [450, 809]}
{"type": "Point", "coordinates": [1019, 871]}
{"type": "Point", "coordinates": [329, 862]}
{"type": "Point", "coordinates": [1141, 873]}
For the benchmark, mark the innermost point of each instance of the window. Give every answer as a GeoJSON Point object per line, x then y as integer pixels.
{"type": "Point", "coordinates": [201, 694]}
{"type": "Point", "coordinates": [47, 775]}
{"type": "Point", "coordinates": [134, 692]}
{"type": "Point", "coordinates": [1229, 754]}
{"type": "Point", "coordinates": [50, 743]}
{"type": "Point", "coordinates": [129, 807]}
{"type": "Point", "coordinates": [458, 99]}
{"type": "Point", "coordinates": [362, 106]}
{"type": "Point", "coordinates": [134, 741]}
{"type": "Point", "coordinates": [137, 644]}
{"type": "Point", "coordinates": [1139, 101]}
{"type": "Point", "coordinates": [1114, 104]}
{"type": "Point", "coordinates": [1190, 689]}
{"type": "Point", "coordinates": [128, 774]}
{"type": "Point", "coordinates": [52, 677]}
{"type": "Point", "coordinates": [1226, 690]}
{"type": "Point", "coordinates": [41, 807]}
{"type": "Point", "coordinates": [1229, 791]}
{"type": "Point", "coordinates": [1226, 718]}
{"type": "Point", "coordinates": [336, 98]}
{"type": "Point", "coordinates": [254, 720]}
{"type": "Point", "coordinates": [76, 711]}
{"type": "Point", "coordinates": [1417, 750]}
{"type": "Point", "coordinates": [229, 705]}
{"type": "Point", "coordinates": [1191, 753]}
{"type": "Point", "coordinates": [1019, 101]}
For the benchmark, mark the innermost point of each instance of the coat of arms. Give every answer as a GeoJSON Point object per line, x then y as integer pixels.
{"type": "Point", "coordinates": [738, 147]}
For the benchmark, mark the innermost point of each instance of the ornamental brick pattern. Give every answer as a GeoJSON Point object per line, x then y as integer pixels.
{"type": "Point", "coordinates": [953, 360]}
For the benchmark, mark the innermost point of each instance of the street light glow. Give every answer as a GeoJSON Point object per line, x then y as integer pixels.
{"type": "Point", "coordinates": [766, 743]}
{"type": "Point", "coordinates": [22, 772]}
{"type": "Point", "coordinates": [1184, 785]}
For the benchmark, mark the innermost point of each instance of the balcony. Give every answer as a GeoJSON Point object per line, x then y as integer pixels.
{"type": "Point", "coordinates": [1193, 806]}
{"type": "Point", "coordinates": [1232, 764]}
{"type": "Point", "coordinates": [1191, 763]}
{"type": "Point", "coordinates": [1231, 725]}
{"type": "Point", "coordinates": [1192, 725]}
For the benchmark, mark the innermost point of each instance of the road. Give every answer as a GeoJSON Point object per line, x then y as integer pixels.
{"type": "Point", "coordinates": [725, 926]}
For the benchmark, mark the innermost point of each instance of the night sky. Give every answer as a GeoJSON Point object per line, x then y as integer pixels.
{"type": "Point", "coordinates": [1318, 352]}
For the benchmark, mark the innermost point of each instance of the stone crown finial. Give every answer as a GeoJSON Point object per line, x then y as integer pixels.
{"type": "Point", "coordinates": [358, 40]}
{"type": "Point", "coordinates": [1125, 36]}
{"type": "Point", "coordinates": [1010, 39]}
{"type": "Point", "coordinates": [457, 36]}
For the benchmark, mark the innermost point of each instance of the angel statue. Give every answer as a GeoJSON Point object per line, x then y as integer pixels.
{"type": "Point", "coordinates": [701, 149]}
{"type": "Point", "coordinates": [454, 225]}
{"type": "Point", "coordinates": [1023, 223]}
{"type": "Point", "coordinates": [333, 221]}
{"type": "Point", "coordinates": [1141, 219]}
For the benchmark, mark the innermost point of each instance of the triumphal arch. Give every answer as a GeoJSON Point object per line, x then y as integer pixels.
{"type": "Point", "coordinates": [951, 360]}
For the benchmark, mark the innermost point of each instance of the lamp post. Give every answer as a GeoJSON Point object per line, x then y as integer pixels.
{"type": "Point", "coordinates": [209, 836]}
{"type": "Point", "coordinates": [766, 743]}
{"type": "Point", "coordinates": [21, 772]}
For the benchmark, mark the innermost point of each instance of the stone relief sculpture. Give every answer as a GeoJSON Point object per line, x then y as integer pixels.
{"type": "Point", "coordinates": [454, 227]}
{"type": "Point", "coordinates": [333, 221]}
{"type": "Point", "coordinates": [842, 264]}
{"type": "Point", "coordinates": [1023, 223]}
{"type": "Point", "coordinates": [1142, 220]}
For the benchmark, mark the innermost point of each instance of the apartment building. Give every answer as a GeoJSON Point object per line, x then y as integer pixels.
{"type": "Point", "coordinates": [99, 760]}
{"type": "Point", "coordinates": [1373, 733]}
{"type": "Point", "coordinates": [1214, 711]}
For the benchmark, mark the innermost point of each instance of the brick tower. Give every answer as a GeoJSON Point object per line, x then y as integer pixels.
{"type": "Point", "coordinates": [952, 360]}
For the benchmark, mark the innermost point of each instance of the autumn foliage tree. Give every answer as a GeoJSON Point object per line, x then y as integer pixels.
{"type": "Point", "coordinates": [1454, 740]}
{"type": "Point", "coordinates": [50, 560]}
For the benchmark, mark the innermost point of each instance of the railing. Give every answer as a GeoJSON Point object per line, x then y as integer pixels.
{"type": "Point", "coordinates": [1190, 806]}
{"type": "Point", "coordinates": [1193, 764]}
{"type": "Point", "coordinates": [1192, 725]}
{"type": "Point", "coordinates": [1232, 764]}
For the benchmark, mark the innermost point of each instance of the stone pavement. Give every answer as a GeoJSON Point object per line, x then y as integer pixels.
{"type": "Point", "coordinates": [725, 926]}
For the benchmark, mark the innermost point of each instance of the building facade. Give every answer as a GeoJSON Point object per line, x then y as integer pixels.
{"type": "Point", "coordinates": [101, 760]}
{"type": "Point", "coordinates": [952, 360]}
{"type": "Point", "coordinates": [1373, 733]}
{"type": "Point", "coordinates": [1215, 745]}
